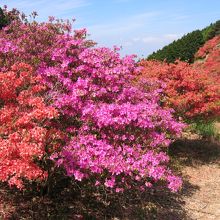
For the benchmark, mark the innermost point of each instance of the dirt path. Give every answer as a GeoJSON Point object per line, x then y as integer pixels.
{"type": "Point", "coordinates": [204, 204]}
{"type": "Point", "coordinates": [201, 168]}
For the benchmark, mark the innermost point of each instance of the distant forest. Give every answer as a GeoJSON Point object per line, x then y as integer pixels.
{"type": "Point", "coordinates": [185, 47]}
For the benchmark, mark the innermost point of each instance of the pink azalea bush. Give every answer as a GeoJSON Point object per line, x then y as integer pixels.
{"type": "Point", "coordinates": [117, 134]}
{"type": "Point", "coordinates": [34, 43]}
{"type": "Point", "coordinates": [118, 131]}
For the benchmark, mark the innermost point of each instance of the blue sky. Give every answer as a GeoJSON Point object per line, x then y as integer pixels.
{"type": "Point", "coordinates": [139, 26]}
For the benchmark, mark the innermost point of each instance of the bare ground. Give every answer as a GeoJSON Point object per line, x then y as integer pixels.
{"type": "Point", "coordinates": [204, 204]}
{"type": "Point", "coordinates": [200, 160]}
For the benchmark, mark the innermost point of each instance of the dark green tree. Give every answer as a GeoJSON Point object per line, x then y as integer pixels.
{"type": "Point", "coordinates": [4, 21]}
{"type": "Point", "coordinates": [215, 30]}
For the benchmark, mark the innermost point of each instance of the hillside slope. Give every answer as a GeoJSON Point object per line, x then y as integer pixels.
{"type": "Point", "coordinates": [208, 56]}
{"type": "Point", "coordinates": [185, 47]}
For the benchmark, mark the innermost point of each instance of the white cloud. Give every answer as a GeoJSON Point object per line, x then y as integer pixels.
{"type": "Point", "coordinates": [121, 27]}
{"type": "Point", "coordinates": [128, 44]}
{"type": "Point", "coordinates": [121, 1]}
{"type": "Point", "coordinates": [147, 15]}
{"type": "Point", "coordinates": [172, 36]}
{"type": "Point", "coordinates": [150, 39]}
{"type": "Point", "coordinates": [111, 29]}
{"type": "Point", "coordinates": [166, 38]}
{"type": "Point", "coordinates": [136, 39]}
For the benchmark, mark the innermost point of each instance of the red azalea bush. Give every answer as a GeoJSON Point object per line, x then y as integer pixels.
{"type": "Point", "coordinates": [191, 91]}
{"type": "Point", "coordinates": [25, 121]}
{"type": "Point", "coordinates": [116, 133]}
{"type": "Point", "coordinates": [210, 53]}
{"type": "Point", "coordinates": [208, 47]}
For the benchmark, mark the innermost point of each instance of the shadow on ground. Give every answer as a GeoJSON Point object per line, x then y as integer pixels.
{"type": "Point", "coordinates": [195, 152]}
{"type": "Point", "coordinates": [157, 204]}
{"type": "Point", "coordinates": [77, 202]}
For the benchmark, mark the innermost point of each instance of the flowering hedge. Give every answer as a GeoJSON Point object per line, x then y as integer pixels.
{"type": "Point", "coordinates": [191, 91]}
{"type": "Point", "coordinates": [116, 132]}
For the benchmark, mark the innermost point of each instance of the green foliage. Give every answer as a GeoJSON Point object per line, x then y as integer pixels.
{"type": "Point", "coordinates": [207, 32]}
{"type": "Point", "coordinates": [213, 31]}
{"type": "Point", "coordinates": [4, 21]}
{"type": "Point", "coordinates": [185, 47]}
{"type": "Point", "coordinates": [6, 17]}
{"type": "Point", "coordinates": [206, 129]}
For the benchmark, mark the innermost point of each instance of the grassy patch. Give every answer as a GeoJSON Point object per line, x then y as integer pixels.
{"type": "Point", "coordinates": [206, 129]}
